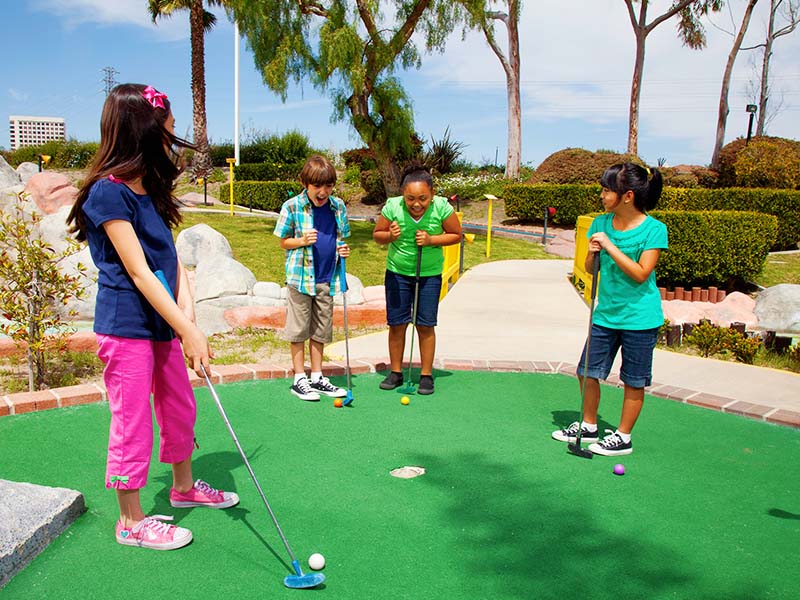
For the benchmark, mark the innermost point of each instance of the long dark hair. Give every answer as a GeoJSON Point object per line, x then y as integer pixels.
{"type": "Point", "coordinates": [134, 142]}
{"type": "Point", "coordinates": [628, 176]}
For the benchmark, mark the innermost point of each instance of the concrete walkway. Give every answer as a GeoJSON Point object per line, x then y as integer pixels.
{"type": "Point", "coordinates": [524, 312]}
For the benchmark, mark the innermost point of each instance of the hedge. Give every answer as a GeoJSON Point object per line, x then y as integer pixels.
{"type": "Point", "coordinates": [268, 171]}
{"type": "Point", "coordinates": [720, 248]}
{"type": "Point", "coordinates": [261, 195]}
{"type": "Point", "coordinates": [528, 202]}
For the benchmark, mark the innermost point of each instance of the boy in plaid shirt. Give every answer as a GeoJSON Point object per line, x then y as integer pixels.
{"type": "Point", "coordinates": [311, 226]}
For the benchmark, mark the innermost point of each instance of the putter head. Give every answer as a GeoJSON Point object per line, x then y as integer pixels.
{"type": "Point", "coordinates": [300, 580]}
{"type": "Point", "coordinates": [408, 389]}
{"type": "Point", "coordinates": [348, 400]}
{"type": "Point", "coordinates": [576, 449]}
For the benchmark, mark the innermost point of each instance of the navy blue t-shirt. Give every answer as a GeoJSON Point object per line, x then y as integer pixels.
{"type": "Point", "coordinates": [325, 248]}
{"type": "Point", "coordinates": [120, 308]}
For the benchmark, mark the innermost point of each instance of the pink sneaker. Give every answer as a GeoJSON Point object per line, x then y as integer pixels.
{"type": "Point", "coordinates": [150, 532]}
{"type": "Point", "coordinates": [202, 494]}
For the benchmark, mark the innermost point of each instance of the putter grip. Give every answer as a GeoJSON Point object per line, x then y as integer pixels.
{"type": "Point", "coordinates": [595, 273]}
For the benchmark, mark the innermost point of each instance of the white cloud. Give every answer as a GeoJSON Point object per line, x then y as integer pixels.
{"type": "Point", "coordinates": [117, 12]}
{"type": "Point", "coordinates": [18, 95]}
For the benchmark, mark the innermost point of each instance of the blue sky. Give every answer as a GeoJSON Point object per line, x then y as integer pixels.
{"type": "Point", "coordinates": [576, 70]}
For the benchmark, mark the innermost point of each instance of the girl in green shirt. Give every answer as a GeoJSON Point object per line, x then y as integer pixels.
{"type": "Point", "coordinates": [417, 220]}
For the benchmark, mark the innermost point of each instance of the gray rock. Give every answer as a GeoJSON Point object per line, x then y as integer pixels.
{"type": "Point", "coordinates": [8, 176]}
{"type": "Point", "coordinates": [199, 243]}
{"type": "Point", "coordinates": [32, 516]}
{"type": "Point", "coordinates": [53, 228]}
{"type": "Point", "coordinates": [211, 319]}
{"type": "Point", "coordinates": [778, 308]}
{"type": "Point", "coordinates": [27, 170]}
{"type": "Point", "coordinates": [354, 292]}
{"type": "Point", "coordinates": [267, 289]}
{"type": "Point", "coordinates": [220, 277]}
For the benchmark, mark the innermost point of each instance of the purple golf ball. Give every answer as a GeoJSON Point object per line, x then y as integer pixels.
{"type": "Point", "coordinates": [619, 469]}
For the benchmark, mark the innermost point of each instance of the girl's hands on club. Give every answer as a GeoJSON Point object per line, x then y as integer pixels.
{"type": "Point", "coordinates": [423, 238]}
{"type": "Point", "coordinates": [598, 241]}
{"type": "Point", "coordinates": [196, 349]}
{"type": "Point", "coordinates": [394, 231]}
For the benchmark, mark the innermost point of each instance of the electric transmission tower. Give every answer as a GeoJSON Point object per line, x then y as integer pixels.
{"type": "Point", "coordinates": [108, 78]}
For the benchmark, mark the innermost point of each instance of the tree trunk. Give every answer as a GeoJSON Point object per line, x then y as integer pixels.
{"type": "Point", "coordinates": [764, 93]}
{"type": "Point", "coordinates": [368, 130]}
{"type": "Point", "coordinates": [636, 90]}
{"type": "Point", "coordinates": [512, 85]}
{"type": "Point", "coordinates": [722, 116]}
{"type": "Point", "coordinates": [201, 164]}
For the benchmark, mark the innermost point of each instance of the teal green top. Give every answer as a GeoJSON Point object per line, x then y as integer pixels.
{"type": "Point", "coordinates": [621, 302]}
{"type": "Point", "coordinates": [402, 255]}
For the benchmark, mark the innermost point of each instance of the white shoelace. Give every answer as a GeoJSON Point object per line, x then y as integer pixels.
{"type": "Point", "coordinates": [304, 386]}
{"type": "Point", "coordinates": [612, 440]}
{"type": "Point", "coordinates": [325, 383]}
{"type": "Point", "coordinates": [205, 488]}
{"type": "Point", "coordinates": [154, 522]}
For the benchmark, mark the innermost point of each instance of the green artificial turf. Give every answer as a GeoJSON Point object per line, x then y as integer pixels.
{"type": "Point", "coordinates": [708, 507]}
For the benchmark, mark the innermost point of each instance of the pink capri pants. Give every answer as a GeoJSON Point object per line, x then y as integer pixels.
{"type": "Point", "coordinates": [135, 368]}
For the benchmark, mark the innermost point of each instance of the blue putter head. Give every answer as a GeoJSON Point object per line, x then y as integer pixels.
{"type": "Point", "coordinates": [348, 400]}
{"type": "Point", "coordinates": [302, 581]}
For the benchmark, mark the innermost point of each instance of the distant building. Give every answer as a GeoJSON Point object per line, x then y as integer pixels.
{"type": "Point", "coordinates": [33, 131]}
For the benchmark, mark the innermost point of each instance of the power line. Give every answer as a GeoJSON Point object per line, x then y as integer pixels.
{"type": "Point", "coordinates": [108, 78]}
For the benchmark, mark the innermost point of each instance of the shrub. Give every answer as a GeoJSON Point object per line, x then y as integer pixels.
{"type": "Point", "coordinates": [576, 165]}
{"type": "Point", "coordinates": [722, 248]}
{"type": "Point", "coordinates": [372, 182]}
{"type": "Point", "coordinates": [527, 202]}
{"type": "Point", "coordinates": [287, 148]}
{"type": "Point", "coordinates": [730, 154]}
{"type": "Point", "coordinates": [442, 153]}
{"type": "Point", "coordinates": [69, 154]}
{"type": "Point", "coordinates": [220, 153]}
{"type": "Point", "coordinates": [363, 158]}
{"type": "Point", "coordinates": [709, 339]}
{"type": "Point", "coordinates": [470, 187]}
{"type": "Point", "coordinates": [767, 164]}
{"type": "Point", "coordinates": [744, 348]}
{"type": "Point", "coordinates": [261, 195]}
{"type": "Point", "coordinates": [268, 171]}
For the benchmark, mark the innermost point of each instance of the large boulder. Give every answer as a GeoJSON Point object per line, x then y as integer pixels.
{"type": "Point", "coordinates": [778, 308]}
{"type": "Point", "coordinates": [27, 170]}
{"type": "Point", "coordinates": [201, 241]}
{"type": "Point", "coordinates": [50, 191]}
{"type": "Point", "coordinates": [53, 229]}
{"type": "Point", "coordinates": [8, 176]}
{"type": "Point", "coordinates": [220, 276]}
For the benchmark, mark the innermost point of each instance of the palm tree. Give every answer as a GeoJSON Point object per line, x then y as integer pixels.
{"type": "Point", "coordinates": [200, 21]}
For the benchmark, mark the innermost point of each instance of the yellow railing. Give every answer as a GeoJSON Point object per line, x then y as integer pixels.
{"type": "Point", "coordinates": [579, 274]}
{"type": "Point", "coordinates": [452, 260]}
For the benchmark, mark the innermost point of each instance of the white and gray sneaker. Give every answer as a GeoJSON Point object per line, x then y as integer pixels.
{"type": "Point", "coordinates": [324, 386]}
{"type": "Point", "coordinates": [570, 433]}
{"type": "Point", "coordinates": [612, 445]}
{"type": "Point", "coordinates": [303, 390]}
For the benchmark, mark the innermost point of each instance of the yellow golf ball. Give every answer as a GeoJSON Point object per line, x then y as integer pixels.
{"type": "Point", "coordinates": [405, 400]}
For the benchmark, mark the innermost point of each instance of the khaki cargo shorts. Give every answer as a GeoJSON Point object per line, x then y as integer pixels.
{"type": "Point", "coordinates": [309, 317]}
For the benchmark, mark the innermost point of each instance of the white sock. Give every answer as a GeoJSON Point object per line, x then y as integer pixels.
{"type": "Point", "coordinates": [589, 426]}
{"type": "Point", "coordinates": [316, 376]}
{"type": "Point", "coordinates": [626, 437]}
{"type": "Point", "coordinates": [299, 376]}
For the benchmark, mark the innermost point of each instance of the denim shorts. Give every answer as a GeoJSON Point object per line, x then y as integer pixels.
{"type": "Point", "coordinates": [400, 297]}
{"type": "Point", "coordinates": [637, 354]}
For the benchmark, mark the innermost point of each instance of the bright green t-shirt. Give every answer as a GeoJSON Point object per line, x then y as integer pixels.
{"type": "Point", "coordinates": [621, 302]}
{"type": "Point", "coordinates": [402, 255]}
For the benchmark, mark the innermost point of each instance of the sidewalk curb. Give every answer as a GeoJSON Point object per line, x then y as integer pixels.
{"type": "Point", "coordinates": [26, 402]}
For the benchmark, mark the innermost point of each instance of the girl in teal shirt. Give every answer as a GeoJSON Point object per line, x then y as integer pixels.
{"type": "Point", "coordinates": [628, 312]}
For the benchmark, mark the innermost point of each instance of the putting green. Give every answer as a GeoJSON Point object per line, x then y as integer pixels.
{"type": "Point", "coordinates": [708, 507]}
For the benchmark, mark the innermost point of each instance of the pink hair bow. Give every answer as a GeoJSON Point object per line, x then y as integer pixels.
{"type": "Point", "coordinates": [154, 97]}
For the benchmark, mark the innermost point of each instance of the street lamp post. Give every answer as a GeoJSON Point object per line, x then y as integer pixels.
{"type": "Point", "coordinates": [751, 108]}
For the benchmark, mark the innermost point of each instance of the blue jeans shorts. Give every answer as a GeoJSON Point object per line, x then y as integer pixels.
{"type": "Point", "coordinates": [637, 354]}
{"type": "Point", "coordinates": [400, 297]}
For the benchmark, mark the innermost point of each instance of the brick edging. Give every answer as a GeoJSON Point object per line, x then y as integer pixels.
{"type": "Point", "coordinates": [25, 402]}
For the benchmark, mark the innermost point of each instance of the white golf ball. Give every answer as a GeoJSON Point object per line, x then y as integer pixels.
{"type": "Point", "coordinates": [316, 561]}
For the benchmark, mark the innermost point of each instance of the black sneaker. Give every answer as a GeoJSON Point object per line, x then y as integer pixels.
{"type": "Point", "coordinates": [425, 387]}
{"type": "Point", "coordinates": [324, 386]}
{"type": "Point", "coordinates": [392, 380]}
{"type": "Point", "coordinates": [570, 434]}
{"type": "Point", "coordinates": [612, 445]}
{"type": "Point", "coordinates": [302, 389]}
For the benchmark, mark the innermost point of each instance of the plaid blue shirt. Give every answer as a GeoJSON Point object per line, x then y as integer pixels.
{"type": "Point", "coordinates": [296, 217]}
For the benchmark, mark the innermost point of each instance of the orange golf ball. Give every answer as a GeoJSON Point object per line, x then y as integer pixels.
{"type": "Point", "coordinates": [338, 403]}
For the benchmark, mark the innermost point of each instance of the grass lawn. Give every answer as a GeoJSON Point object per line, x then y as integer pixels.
{"type": "Point", "coordinates": [780, 268]}
{"type": "Point", "coordinates": [255, 247]}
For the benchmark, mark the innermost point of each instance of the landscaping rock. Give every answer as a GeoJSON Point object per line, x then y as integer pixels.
{"type": "Point", "coordinates": [200, 242]}
{"type": "Point", "coordinates": [736, 307]}
{"type": "Point", "coordinates": [220, 277]}
{"type": "Point", "coordinates": [267, 289]}
{"type": "Point", "coordinates": [32, 516]}
{"type": "Point", "coordinates": [778, 308]}
{"type": "Point", "coordinates": [27, 170]}
{"type": "Point", "coordinates": [196, 199]}
{"type": "Point", "coordinates": [8, 176]}
{"type": "Point", "coordinates": [354, 292]}
{"type": "Point", "coordinates": [50, 191]}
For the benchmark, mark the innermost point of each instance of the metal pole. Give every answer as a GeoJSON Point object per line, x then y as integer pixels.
{"type": "Point", "coordinates": [236, 91]}
{"type": "Point", "coordinates": [205, 191]}
{"type": "Point", "coordinates": [750, 127]}
{"type": "Point", "coordinates": [544, 231]}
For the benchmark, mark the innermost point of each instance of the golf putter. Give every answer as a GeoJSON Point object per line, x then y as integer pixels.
{"type": "Point", "coordinates": [349, 398]}
{"type": "Point", "coordinates": [575, 447]}
{"type": "Point", "coordinates": [409, 387]}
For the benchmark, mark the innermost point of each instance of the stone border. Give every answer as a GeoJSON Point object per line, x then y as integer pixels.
{"type": "Point", "coordinates": [25, 402]}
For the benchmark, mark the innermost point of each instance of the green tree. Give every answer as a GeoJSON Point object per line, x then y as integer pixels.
{"type": "Point", "coordinates": [200, 21]}
{"type": "Point", "coordinates": [483, 17]}
{"type": "Point", "coordinates": [32, 288]}
{"type": "Point", "coordinates": [350, 50]}
{"type": "Point", "coordinates": [690, 29]}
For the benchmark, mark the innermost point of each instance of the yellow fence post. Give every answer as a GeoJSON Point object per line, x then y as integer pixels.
{"type": "Point", "coordinates": [490, 198]}
{"type": "Point", "coordinates": [581, 250]}
{"type": "Point", "coordinates": [231, 162]}
{"type": "Point", "coordinates": [452, 264]}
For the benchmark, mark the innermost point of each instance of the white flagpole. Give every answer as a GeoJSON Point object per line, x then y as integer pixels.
{"type": "Point", "coordinates": [236, 91]}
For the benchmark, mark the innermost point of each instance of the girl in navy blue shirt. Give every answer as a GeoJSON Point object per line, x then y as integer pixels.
{"type": "Point", "coordinates": [144, 314]}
